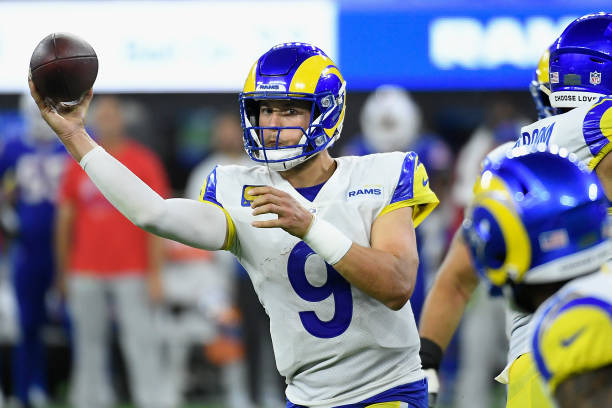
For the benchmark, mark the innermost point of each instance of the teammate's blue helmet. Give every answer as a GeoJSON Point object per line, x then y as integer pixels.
{"type": "Point", "coordinates": [537, 218]}
{"type": "Point", "coordinates": [539, 87]}
{"type": "Point", "coordinates": [293, 71]}
{"type": "Point", "coordinates": [581, 62]}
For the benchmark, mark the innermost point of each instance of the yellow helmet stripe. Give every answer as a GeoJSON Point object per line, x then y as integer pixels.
{"type": "Point", "coordinates": [310, 69]}
{"type": "Point", "coordinates": [330, 132]}
{"type": "Point", "coordinates": [488, 181]}
{"type": "Point", "coordinates": [518, 247]}
{"type": "Point", "coordinates": [249, 84]}
{"type": "Point", "coordinates": [542, 70]}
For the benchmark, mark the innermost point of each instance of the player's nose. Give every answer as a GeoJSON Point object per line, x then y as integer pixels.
{"type": "Point", "coordinates": [274, 119]}
{"type": "Point", "coordinates": [271, 137]}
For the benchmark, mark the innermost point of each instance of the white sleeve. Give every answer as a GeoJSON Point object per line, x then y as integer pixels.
{"type": "Point", "coordinates": [201, 225]}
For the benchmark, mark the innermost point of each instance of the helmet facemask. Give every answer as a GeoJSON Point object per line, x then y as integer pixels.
{"type": "Point", "coordinates": [293, 72]}
{"type": "Point", "coordinates": [323, 107]}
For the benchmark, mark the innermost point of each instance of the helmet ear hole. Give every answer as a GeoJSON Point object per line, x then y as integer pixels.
{"type": "Point", "coordinates": [523, 188]}
{"type": "Point", "coordinates": [500, 257]}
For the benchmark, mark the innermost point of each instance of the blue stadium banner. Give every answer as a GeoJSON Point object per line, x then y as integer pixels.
{"type": "Point", "coordinates": [450, 45]}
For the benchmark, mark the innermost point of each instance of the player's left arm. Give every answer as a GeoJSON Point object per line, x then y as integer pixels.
{"type": "Point", "coordinates": [386, 270]}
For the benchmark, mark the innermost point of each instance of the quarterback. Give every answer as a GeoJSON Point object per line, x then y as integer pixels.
{"type": "Point", "coordinates": [329, 243]}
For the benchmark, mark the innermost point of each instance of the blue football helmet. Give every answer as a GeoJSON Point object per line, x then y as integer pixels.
{"type": "Point", "coordinates": [581, 62]}
{"type": "Point", "coordinates": [293, 71]}
{"type": "Point", "coordinates": [539, 87]}
{"type": "Point", "coordinates": [537, 218]}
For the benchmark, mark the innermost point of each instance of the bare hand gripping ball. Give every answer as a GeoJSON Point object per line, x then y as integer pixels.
{"type": "Point", "coordinates": [63, 67]}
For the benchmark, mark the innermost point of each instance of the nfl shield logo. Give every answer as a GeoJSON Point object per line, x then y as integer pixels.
{"type": "Point", "coordinates": [595, 78]}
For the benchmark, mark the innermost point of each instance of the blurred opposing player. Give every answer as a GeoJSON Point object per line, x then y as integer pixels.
{"type": "Point", "coordinates": [580, 85]}
{"type": "Point", "coordinates": [328, 243]}
{"type": "Point", "coordinates": [390, 121]}
{"type": "Point", "coordinates": [531, 231]}
{"type": "Point", "coordinates": [456, 284]}
{"type": "Point", "coordinates": [34, 163]}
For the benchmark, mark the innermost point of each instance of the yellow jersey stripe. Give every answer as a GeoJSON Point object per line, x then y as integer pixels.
{"type": "Point", "coordinates": [423, 206]}
{"type": "Point", "coordinates": [231, 228]}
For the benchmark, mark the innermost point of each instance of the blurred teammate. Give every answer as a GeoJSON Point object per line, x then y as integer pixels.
{"type": "Point", "coordinates": [105, 263]}
{"type": "Point", "coordinates": [328, 243]}
{"type": "Point", "coordinates": [579, 70]}
{"type": "Point", "coordinates": [539, 87]}
{"type": "Point", "coordinates": [455, 286]}
{"type": "Point", "coordinates": [531, 231]}
{"type": "Point", "coordinates": [580, 73]}
{"type": "Point", "coordinates": [34, 163]}
{"type": "Point", "coordinates": [571, 342]}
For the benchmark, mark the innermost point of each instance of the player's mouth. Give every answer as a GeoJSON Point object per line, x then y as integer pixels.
{"type": "Point", "coordinates": [273, 144]}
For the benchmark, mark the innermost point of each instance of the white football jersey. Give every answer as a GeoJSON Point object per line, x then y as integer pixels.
{"type": "Point", "coordinates": [584, 131]}
{"type": "Point", "coordinates": [334, 344]}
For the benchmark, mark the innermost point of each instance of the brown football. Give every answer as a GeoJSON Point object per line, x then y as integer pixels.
{"type": "Point", "coordinates": [63, 67]}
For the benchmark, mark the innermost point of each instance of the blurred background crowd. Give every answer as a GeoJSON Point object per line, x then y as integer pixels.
{"type": "Point", "coordinates": [90, 321]}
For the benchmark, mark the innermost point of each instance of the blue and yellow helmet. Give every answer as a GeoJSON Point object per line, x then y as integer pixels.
{"type": "Point", "coordinates": [536, 218]}
{"type": "Point", "coordinates": [293, 71]}
{"type": "Point", "coordinates": [539, 87]}
{"type": "Point", "coordinates": [573, 335]}
{"type": "Point", "coordinates": [581, 62]}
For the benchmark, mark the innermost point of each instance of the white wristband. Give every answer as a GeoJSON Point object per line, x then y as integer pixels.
{"type": "Point", "coordinates": [327, 241]}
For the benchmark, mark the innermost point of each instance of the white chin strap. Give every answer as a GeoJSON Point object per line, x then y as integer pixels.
{"type": "Point", "coordinates": [286, 155]}
{"type": "Point", "coordinates": [573, 99]}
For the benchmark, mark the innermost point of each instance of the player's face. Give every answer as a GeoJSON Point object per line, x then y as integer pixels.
{"type": "Point", "coordinates": [284, 113]}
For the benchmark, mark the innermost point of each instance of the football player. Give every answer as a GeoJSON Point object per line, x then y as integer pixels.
{"type": "Point", "coordinates": [580, 69]}
{"type": "Point", "coordinates": [457, 281]}
{"type": "Point", "coordinates": [539, 87]}
{"type": "Point", "coordinates": [329, 243]}
{"type": "Point", "coordinates": [32, 165]}
{"type": "Point", "coordinates": [532, 231]}
{"type": "Point", "coordinates": [580, 74]}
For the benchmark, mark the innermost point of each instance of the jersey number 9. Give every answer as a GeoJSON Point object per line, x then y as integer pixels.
{"type": "Point", "coordinates": [335, 285]}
